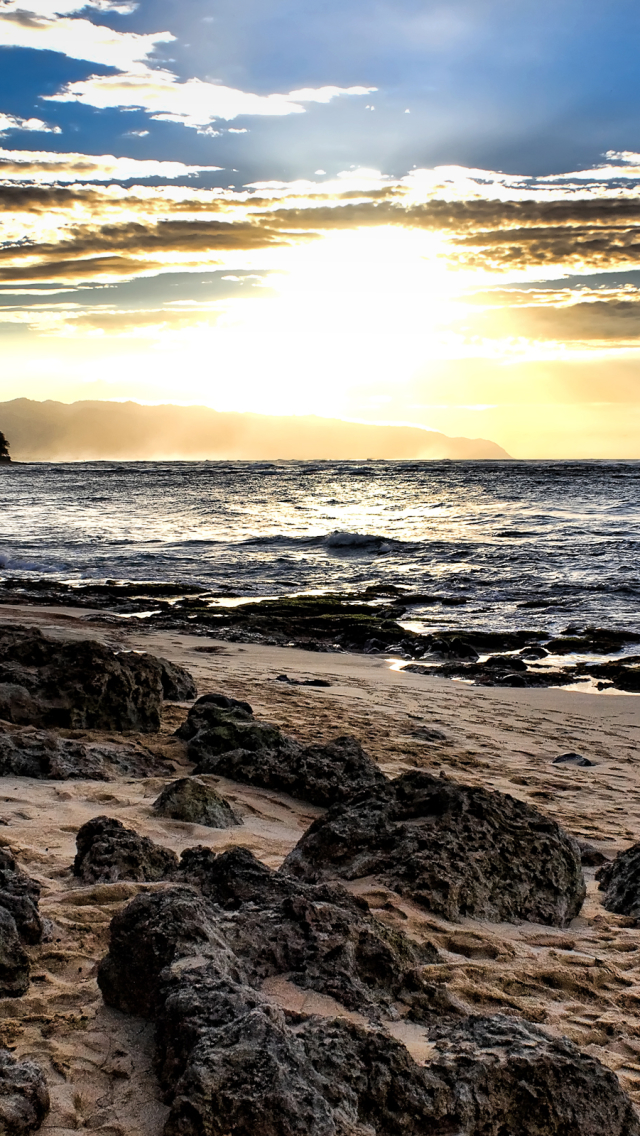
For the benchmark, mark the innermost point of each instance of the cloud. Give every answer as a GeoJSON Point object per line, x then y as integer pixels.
{"type": "Point", "coordinates": [12, 122]}
{"type": "Point", "coordinates": [43, 167]}
{"type": "Point", "coordinates": [194, 103]}
{"type": "Point", "coordinates": [79, 39]}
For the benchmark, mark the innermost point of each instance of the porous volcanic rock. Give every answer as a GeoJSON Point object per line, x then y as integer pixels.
{"type": "Point", "coordinates": [226, 740]}
{"type": "Point", "coordinates": [456, 850]}
{"type": "Point", "coordinates": [20, 923]}
{"type": "Point", "coordinates": [24, 1096]}
{"type": "Point", "coordinates": [42, 754]}
{"type": "Point", "coordinates": [107, 851]}
{"type": "Point", "coordinates": [620, 882]}
{"type": "Point", "coordinates": [231, 1061]}
{"type": "Point", "coordinates": [177, 683]}
{"type": "Point", "coordinates": [153, 931]}
{"type": "Point", "coordinates": [191, 799]}
{"type": "Point", "coordinates": [77, 684]}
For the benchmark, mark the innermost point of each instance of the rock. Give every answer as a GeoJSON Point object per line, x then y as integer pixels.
{"type": "Point", "coordinates": [77, 684]}
{"type": "Point", "coordinates": [573, 759]}
{"type": "Point", "coordinates": [177, 684]}
{"type": "Point", "coordinates": [20, 923]}
{"type": "Point", "coordinates": [212, 729]}
{"type": "Point", "coordinates": [107, 851]}
{"type": "Point", "coordinates": [228, 741]}
{"type": "Point", "coordinates": [457, 850]}
{"type": "Point", "coordinates": [19, 895]}
{"type": "Point", "coordinates": [200, 715]}
{"type": "Point", "coordinates": [505, 662]}
{"type": "Point", "coordinates": [509, 1076]}
{"type": "Point", "coordinates": [619, 879]}
{"type": "Point", "coordinates": [24, 1097]}
{"type": "Point", "coordinates": [42, 754]}
{"type": "Point", "coordinates": [512, 680]}
{"type": "Point", "coordinates": [153, 931]}
{"type": "Point", "coordinates": [191, 799]}
{"type": "Point", "coordinates": [590, 856]}
{"type": "Point", "coordinates": [14, 960]}
{"type": "Point", "coordinates": [231, 1061]}
{"type": "Point", "coordinates": [302, 681]}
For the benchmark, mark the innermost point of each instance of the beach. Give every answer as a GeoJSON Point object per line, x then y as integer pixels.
{"type": "Point", "coordinates": [581, 981]}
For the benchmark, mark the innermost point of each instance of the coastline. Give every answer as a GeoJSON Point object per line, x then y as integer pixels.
{"type": "Point", "coordinates": [582, 982]}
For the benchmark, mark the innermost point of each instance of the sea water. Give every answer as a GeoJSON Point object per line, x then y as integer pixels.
{"type": "Point", "coordinates": [516, 544]}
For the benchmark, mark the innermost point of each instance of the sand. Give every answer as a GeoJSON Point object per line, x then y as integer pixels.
{"type": "Point", "coordinates": [583, 982]}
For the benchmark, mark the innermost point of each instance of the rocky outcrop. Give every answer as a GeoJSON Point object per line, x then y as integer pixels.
{"type": "Point", "coordinates": [107, 851]}
{"type": "Point", "coordinates": [20, 923]}
{"type": "Point", "coordinates": [177, 684]}
{"type": "Point", "coordinates": [230, 1060]}
{"type": "Point", "coordinates": [620, 882]}
{"type": "Point", "coordinates": [226, 740]}
{"type": "Point", "coordinates": [42, 754]}
{"type": "Point", "coordinates": [24, 1096]}
{"type": "Point", "coordinates": [456, 850]}
{"type": "Point", "coordinates": [80, 684]}
{"type": "Point", "coordinates": [191, 799]}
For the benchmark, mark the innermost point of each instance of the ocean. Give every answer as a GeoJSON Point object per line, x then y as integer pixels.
{"type": "Point", "coordinates": [504, 545]}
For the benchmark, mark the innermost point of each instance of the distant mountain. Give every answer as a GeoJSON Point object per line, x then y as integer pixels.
{"type": "Point", "coordinates": [126, 431]}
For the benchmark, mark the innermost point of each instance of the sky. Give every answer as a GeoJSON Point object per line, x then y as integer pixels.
{"type": "Point", "coordinates": [410, 211]}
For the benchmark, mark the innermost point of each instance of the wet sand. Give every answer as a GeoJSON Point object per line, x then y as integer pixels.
{"type": "Point", "coordinates": [583, 981]}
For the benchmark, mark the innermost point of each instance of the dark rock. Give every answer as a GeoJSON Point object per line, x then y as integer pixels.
{"type": "Point", "coordinates": [177, 684]}
{"type": "Point", "coordinates": [512, 680]}
{"type": "Point", "coordinates": [231, 1061]}
{"type": "Point", "coordinates": [148, 935]}
{"type": "Point", "coordinates": [510, 1077]}
{"type": "Point", "coordinates": [24, 1097]}
{"type": "Point", "coordinates": [78, 684]}
{"type": "Point", "coordinates": [457, 850]}
{"type": "Point", "coordinates": [191, 799]}
{"type": "Point", "coordinates": [302, 681]}
{"type": "Point", "coordinates": [573, 759]}
{"type": "Point", "coordinates": [14, 960]}
{"type": "Point", "coordinates": [107, 851]}
{"type": "Point", "coordinates": [320, 774]}
{"type": "Point", "coordinates": [590, 856]}
{"type": "Point", "coordinates": [619, 879]}
{"type": "Point", "coordinates": [222, 728]}
{"type": "Point", "coordinates": [203, 713]}
{"type": "Point", "coordinates": [25, 752]}
{"type": "Point", "coordinates": [20, 923]}
{"type": "Point", "coordinates": [505, 662]}
{"type": "Point", "coordinates": [19, 895]}
{"type": "Point", "coordinates": [534, 653]}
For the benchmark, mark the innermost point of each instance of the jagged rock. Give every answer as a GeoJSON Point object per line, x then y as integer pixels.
{"type": "Point", "coordinates": [212, 729]}
{"type": "Point", "coordinates": [230, 1061]}
{"type": "Point", "coordinates": [572, 759]}
{"type": "Point", "coordinates": [591, 856]}
{"type": "Point", "coordinates": [509, 1076]}
{"type": "Point", "coordinates": [20, 923]}
{"type": "Point", "coordinates": [78, 684]}
{"type": "Point", "coordinates": [620, 881]}
{"type": "Point", "coordinates": [14, 960]}
{"type": "Point", "coordinates": [19, 895]}
{"type": "Point", "coordinates": [457, 850]}
{"type": "Point", "coordinates": [229, 742]}
{"type": "Point", "coordinates": [177, 684]}
{"type": "Point", "coordinates": [204, 713]}
{"type": "Point", "coordinates": [24, 1096]}
{"type": "Point", "coordinates": [191, 799]}
{"type": "Point", "coordinates": [148, 935]}
{"type": "Point", "coordinates": [42, 754]}
{"type": "Point", "coordinates": [107, 851]}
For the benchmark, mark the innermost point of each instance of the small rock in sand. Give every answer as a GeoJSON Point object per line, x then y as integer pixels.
{"type": "Point", "coordinates": [107, 851]}
{"type": "Point", "coordinates": [42, 754]}
{"type": "Point", "coordinates": [191, 799]}
{"type": "Point", "coordinates": [24, 1097]}
{"type": "Point", "coordinates": [573, 759]}
{"type": "Point", "coordinates": [20, 923]}
{"type": "Point", "coordinates": [456, 850]}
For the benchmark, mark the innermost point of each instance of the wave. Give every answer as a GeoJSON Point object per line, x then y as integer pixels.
{"type": "Point", "coordinates": [337, 541]}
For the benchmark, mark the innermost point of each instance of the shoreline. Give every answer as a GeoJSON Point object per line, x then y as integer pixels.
{"type": "Point", "coordinates": [582, 981]}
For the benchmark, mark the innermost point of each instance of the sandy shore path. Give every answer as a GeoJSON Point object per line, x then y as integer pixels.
{"type": "Point", "coordinates": [583, 982]}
